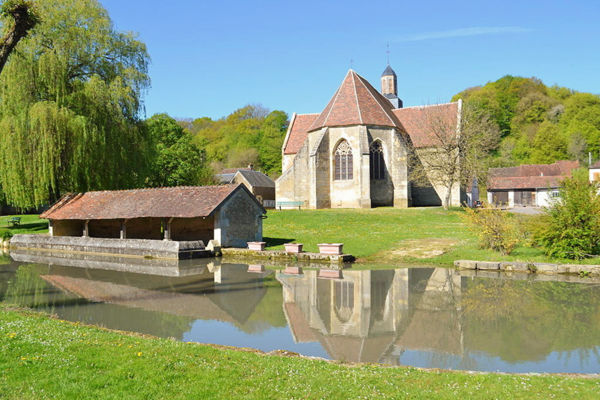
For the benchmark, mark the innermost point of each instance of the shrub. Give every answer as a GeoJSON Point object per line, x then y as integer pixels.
{"type": "Point", "coordinates": [5, 235]}
{"type": "Point", "coordinates": [495, 228]}
{"type": "Point", "coordinates": [571, 226]}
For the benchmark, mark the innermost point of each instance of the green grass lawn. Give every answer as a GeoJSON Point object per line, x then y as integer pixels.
{"type": "Point", "coordinates": [29, 224]}
{"type": "Point", "coordinates": [45, 358]}
{"type": "Point", "coordinates": [387, 236]}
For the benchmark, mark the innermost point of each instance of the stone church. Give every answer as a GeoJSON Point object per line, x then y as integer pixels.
{"type": "Point", "coordinates": [355, 153]}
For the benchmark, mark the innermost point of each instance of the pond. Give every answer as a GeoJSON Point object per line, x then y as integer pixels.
{"type": "Point", "coordinates": [423, 317]}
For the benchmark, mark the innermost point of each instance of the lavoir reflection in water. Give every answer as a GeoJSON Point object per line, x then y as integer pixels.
{"type": "Point", "coordinates": [422, 317]}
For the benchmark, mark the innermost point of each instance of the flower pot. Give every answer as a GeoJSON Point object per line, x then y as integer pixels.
{"type": "Point", "coordinates": [256, 246]}
{"type": "Point", "coordinates": [330, 248]}
{"type": "Point", "coordinates": [293, 247]}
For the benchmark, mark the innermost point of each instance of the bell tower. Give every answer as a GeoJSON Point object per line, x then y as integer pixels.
{"type": "Point", "coordinates": [389, 87]}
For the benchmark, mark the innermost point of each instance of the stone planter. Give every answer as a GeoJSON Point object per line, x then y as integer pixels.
{"type": "Point", "coordinates": [330, 274]}
{"type": "Point", "coordinates": [293, 247]}
{"type": "Point", "coordinates": [330, 248]}
{"type": "Point", "coordinates": [256, 246]}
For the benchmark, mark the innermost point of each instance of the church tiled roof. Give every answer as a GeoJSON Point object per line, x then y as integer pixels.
{"type": "Point", "coordinates": [356, 102]}
{"type": "Point", "coordinates": [421, 122]}
{"type": "Point", "coordinates": [298, 132]}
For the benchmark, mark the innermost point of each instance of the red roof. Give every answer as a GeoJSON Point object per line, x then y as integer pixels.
{"type": "Point", "coordinates": [298, 132]}
{"type": "Point", "coordinates": [531, 176]}
{"type": "Point", "coordinates": [179, 202]}
{"type": "Point", "coordinates": [424, 123]}
{"type": "Point", "coordinates": [356, 102]}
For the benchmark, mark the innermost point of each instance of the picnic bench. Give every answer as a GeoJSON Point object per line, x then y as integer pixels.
{"type": "Point", "coordinates": [289, 204]}
{"type": "Point", "coordinates": [14, 221]}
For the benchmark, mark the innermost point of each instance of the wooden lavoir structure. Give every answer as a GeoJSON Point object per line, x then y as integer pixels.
{"type": "Point", "coordinates": [192, 216]}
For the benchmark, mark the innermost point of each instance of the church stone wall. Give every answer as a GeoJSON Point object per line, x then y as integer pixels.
{"type": "Point", "coordinates": [434, 194]}
{"type": "Point", "coordinates": [293, 184]}
{"type": "Point", "coordinates": [355, 192]}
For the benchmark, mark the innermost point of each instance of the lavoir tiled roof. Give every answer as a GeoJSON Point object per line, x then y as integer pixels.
{"type": "Point", "coordinates": [356, 102]}
{"type": "Point", "coordinates": [530, 176]}
{"type": "Point", "coordinates": [179, 202]}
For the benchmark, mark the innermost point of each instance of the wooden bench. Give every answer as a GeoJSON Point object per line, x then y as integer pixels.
{"type": "Point", "coordinates": [287, 204]}
{"type": "Point", "coordinates": [14, 221]}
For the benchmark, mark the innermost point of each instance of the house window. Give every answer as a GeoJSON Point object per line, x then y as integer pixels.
{"type": "Point", "coordinates": [555, 193]}
{"type": "Point", "coordinates": [376, 161]}
{"type": "Point", "coordinates": [343, 161]}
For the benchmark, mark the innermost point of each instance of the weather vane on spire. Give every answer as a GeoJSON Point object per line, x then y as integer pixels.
{"type": "Point", "coordinates": [351, 63]}
{"type": "Point", "coordinates": [387, 52]}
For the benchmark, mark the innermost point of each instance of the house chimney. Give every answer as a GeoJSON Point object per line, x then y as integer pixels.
{"type": "Point", "coordinates": [250, 166]}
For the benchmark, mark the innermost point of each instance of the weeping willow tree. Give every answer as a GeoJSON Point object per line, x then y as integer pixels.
{"type": "Point", "coordinates": [70, 105]}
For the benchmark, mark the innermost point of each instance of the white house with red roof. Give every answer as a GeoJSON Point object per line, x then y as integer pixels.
{"type": "Point", "coordinates": [354, 153]}
{"type": "Point", "coordinates": [529, 185]}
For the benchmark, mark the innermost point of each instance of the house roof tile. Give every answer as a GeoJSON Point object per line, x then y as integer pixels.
{"type": "Point", "coordinates": [531, 176]}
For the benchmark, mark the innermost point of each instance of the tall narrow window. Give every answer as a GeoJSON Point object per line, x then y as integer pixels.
{"type": "Point", "coordinates": [376, 161]}
{"type": "Point", "coordinates": [343, 161]}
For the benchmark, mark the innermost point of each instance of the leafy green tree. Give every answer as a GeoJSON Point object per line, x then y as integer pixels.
{"type": "Point", "coordinates": [19, 17]}
{"type": "Point", "coordinates": [571, 227]}
{"type": "Point", "coordinates": [176, 160]}
{"type": "Point", "coordinates": [70, 106]}
{"type": "Point", "coordinates": [272, 134]}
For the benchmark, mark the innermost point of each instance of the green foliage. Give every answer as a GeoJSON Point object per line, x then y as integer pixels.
{"type": "Point", "coordinates": [249, 135]}
{"type": "Point", "coordinates": [175, 161]}
{"type": "Point", "coordinates": [69, 115]}
{"type": "Point", "coordinates": [496, 229]}
{"type": "Point", "coordinates": [571, 226]}
{"type": "Point", "coordinates": [539, 124]}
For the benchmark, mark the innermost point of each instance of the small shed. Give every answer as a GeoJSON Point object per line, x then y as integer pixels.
{"type": "Point", "coordinates": [229, 214]}
{"type": "Point", "coordinates": [259, 184]}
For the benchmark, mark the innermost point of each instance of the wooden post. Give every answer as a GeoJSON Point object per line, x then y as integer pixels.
{"type": "Point", "coordinates": [167, 228]}
{"type": "Point", "coordinates": [123, 229]}
{"type": "Point", "coordinates": [86, 228]}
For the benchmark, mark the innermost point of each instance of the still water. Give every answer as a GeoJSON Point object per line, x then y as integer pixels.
{"type": "Point", "coordinates": [424, 317]}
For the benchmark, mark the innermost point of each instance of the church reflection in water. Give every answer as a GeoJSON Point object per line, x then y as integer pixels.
{"type": "Point", "coordinates": [428, 317]}
{"type": "Point", "coordinates": [372, 316]}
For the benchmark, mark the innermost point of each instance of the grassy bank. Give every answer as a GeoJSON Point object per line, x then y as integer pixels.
{"type": "Point", "coordinates": [384, 236]}
{"type": "Point", "coordinates": [29, 224]}
{"type": "Point", "coordinates": [42, 358]}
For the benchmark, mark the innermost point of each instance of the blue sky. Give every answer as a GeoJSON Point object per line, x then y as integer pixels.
{"type": "Point", "coordinates": [212, 57]}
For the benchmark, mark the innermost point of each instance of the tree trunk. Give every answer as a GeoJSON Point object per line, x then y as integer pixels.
{"type": "Point", "coordinates": [25, 20]}
{"type": "Point", "coordinates": [448, 196]}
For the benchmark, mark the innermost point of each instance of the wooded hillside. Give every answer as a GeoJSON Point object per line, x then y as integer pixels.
{"type": "Point", "coordinates": [539, 124]}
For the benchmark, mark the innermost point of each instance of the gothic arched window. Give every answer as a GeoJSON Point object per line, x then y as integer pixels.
{"type": "Point", "coordinates": [343, 161]}
{"type": "Point", "coordinates": [344, 300]}
{"type": "Point", "coordinates": [376, 161]}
